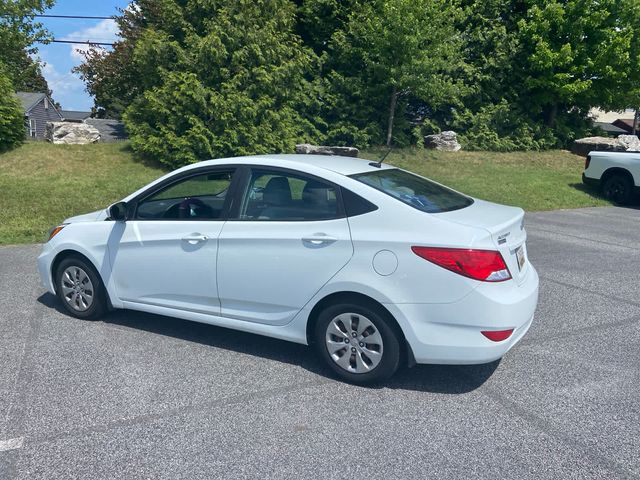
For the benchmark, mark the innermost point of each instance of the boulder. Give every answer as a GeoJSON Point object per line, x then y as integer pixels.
{"type": "Point", "coordinates": [623, 143]}
{"type": "Point", "coordinates": [71, 133]}
{"type": "Point", "coordinates": [631, 142]}
{"type": "Point", "coordinates": [306, 148]}
{"type": "Point", "coordinates": [446, 141]}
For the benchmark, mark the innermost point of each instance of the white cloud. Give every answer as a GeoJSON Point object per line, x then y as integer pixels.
{"type": "Point", "coordinates": [67, 88]}
{"type": "Point", "coordinates": [105, 31]}
{"type": "Point", "coordinates": [61, 83]}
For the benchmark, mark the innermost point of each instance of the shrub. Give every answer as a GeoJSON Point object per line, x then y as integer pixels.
{"type": "Point", "coordinates": [12, 131]}
{"type": "Point", "coordinates": [501, 128]}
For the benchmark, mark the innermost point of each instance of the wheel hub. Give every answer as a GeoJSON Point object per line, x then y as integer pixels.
{"type": "Point", "coordinates": [354, 343]}
{"type": "Point", "coordinates": [77, 288]}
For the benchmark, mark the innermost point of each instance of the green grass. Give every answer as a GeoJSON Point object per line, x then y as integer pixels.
{"type": "Point", "coordinates": [41, 184]}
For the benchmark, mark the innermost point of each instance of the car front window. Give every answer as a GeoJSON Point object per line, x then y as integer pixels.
{"type": "Point", "coordinates": [200, 197]}
{"type": "Point", "coordinates": [415, 191]}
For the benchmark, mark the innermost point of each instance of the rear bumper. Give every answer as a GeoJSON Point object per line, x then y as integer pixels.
{"type": "Point", "coordinates": [592, 182]}
{"type": "Point", "coordinates": [450, 333]}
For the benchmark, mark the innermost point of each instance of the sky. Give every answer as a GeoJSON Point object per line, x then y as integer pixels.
{"type": "Point", "coordinates": [59, 58]}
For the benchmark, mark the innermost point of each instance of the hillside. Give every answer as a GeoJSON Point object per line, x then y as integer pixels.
{"type": "Point", "coordinates": [41, 184]}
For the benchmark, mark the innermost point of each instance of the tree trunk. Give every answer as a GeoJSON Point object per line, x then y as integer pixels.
{"type": "Point", "coordinates": [636, 120]}
{"type": "Point", "coordinates": [392, 114]}
{"type": "Point", "coordinates": [552, 115]}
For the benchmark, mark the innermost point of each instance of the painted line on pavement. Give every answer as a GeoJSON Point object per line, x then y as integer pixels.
{"type": "Point", "coordinates": [11, 444]}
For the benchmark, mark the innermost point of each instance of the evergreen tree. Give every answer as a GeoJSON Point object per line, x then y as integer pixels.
{"type": "Point", "coordinates": [219, 79]}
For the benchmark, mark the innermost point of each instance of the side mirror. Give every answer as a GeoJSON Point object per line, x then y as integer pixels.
{"type": "Point", "coordinates": [118, 211]}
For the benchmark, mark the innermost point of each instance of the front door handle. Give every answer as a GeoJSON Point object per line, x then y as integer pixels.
{"type": "Point", "coordinates": [318, 240]}
{"type": "Point", "coordinates": [195, 238]}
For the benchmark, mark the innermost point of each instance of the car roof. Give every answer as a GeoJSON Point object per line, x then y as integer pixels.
{"type": "Point", "coordinates": [334, 163]}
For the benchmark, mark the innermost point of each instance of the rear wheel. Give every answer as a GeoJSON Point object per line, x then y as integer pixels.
{"type": "Point", "coordinates": [80, 288]}
{"type": "Point", "coordinates": [357, 343]}
{"type": "Point", "coordinates": [618, 188]}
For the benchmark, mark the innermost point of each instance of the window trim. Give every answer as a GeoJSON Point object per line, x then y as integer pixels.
{"type": "Point", "coordinates": [243, 188]}
{"type": "Point", "coordinates": [33, 128]}
{"type": "Point", "coordinates": [133, 204]}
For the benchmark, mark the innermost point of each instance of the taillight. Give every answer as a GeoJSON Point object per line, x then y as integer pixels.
{"type": "Point", "coordinates": [587, 162]}
{"type": "Point", "coordinates": [483, 265]}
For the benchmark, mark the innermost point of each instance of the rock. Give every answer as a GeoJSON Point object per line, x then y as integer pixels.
{"type": "Point", "coordinates": [583, 146]}
{"type": "Point", "coordinates": [623, 143]}
{"type": "Point", "coordinates": [71, 133]}
{"type": "Point", "coordinates": [631, 142]}
{"type": "Point", "coordinates": [446, 141]}
{"type": "Point", "coordinates": [306, 148]}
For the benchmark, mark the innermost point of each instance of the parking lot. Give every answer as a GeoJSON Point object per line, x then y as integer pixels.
{"type": "Point", "coordinates": [143, 396]}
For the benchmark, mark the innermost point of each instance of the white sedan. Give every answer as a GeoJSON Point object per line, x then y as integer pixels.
{"type": "Point", "coordinates": [371, 264]}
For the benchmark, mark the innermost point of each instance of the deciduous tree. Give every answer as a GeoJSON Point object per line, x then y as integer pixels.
{"type": "Point", "coordinates": [18, 34]}
{"type": "Point", "coordinates": [394, 50]}
{"type": "Point", "coordinates": [12, 130]}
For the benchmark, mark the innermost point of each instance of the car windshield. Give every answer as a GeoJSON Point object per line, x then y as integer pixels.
{"type": "Point", "coordinates": [413, 190]}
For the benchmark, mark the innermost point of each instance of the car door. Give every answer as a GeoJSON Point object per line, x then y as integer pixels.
{"type": "Point", "coordinates": [166, 254]}
{"type": "Point", "coordinates": [289, 237]}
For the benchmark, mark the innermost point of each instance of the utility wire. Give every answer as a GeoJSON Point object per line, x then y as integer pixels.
{"type": "Point", "coordinates": [85, 17]}
{"type": "Point", "coordinates": [64, 16]}
{"type": "Point", "coordinates": [82, 43]}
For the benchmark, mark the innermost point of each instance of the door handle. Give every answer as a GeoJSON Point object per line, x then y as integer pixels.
{"type": "Point", "coordinates": [318, 240]}
{"type": "Point", "coordinates": [195, 238]}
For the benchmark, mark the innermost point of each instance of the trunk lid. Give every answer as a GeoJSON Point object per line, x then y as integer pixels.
{"type": "Point", "coordinates": [504, 224]}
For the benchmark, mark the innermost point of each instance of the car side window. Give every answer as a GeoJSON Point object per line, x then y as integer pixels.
{"type": "Point", "coordinates": [279, 196]}
{"type": "Point", "coordinates": [199, 197]}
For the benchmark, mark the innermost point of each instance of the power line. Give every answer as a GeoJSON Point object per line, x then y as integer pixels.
{"type": "Point", "coordinates": [82, 43]}
{"type": "Point", "coordinates": [85, 17]}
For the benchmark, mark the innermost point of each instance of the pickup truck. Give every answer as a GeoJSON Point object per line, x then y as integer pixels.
{"type": "Point", "coordinates": [616, 173]}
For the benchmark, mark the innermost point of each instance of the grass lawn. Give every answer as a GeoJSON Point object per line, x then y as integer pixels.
{"type": "Point", "coordinates": [41, 184]}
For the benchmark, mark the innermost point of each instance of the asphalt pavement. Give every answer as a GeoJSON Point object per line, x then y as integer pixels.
{"type": "Point", "coordinates": [144, 396]}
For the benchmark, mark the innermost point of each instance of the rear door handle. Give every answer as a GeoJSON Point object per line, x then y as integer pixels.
{"type": "Point", "coordinates": [195, 238]}
{"type": "Point", "coordinates": [318, 240]}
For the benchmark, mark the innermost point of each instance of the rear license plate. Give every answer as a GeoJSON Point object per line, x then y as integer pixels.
{"type": "Point", "coordinates": [520, 257]}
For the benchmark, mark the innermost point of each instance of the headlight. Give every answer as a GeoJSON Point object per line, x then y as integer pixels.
{"type": "Point", "coordinates": [56, 230]}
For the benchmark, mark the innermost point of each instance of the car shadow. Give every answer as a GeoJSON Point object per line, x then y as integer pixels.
{"type": "Point", "coordinates": [447, 379]}
{"type": "Point", "coordinates": [595, 193]}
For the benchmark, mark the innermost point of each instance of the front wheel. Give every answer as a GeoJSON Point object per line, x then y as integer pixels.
{"type": "Point", "coordinates": [618, 188]}
{"type": "Point", "coordinates": [357, 343]}
{"type": "Point", "coordinates": [80, 289]}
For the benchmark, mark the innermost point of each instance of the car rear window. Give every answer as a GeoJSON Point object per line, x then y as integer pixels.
{"type": "Point", "coordinates": [413, 190]}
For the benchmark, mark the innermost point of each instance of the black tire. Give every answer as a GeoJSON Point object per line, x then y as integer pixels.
{"type": "Point", "coordinates": [98, 305]}
{"type": "Point", "coordinates": [618, 188]}
{"type": "Point", "coordinates": [391, 350]}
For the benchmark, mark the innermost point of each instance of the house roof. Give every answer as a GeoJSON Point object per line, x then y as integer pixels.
{"type": "Point", "coordinates": [29, 99]}
{"type": "Point", "coordinates": [110, 130]}
{"type": "Point", "coordinates": [75, 115]}
{"type": "Point", "coordinates": [609, 127]}
{"type": "Point", "coordinates": [624, 124]}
